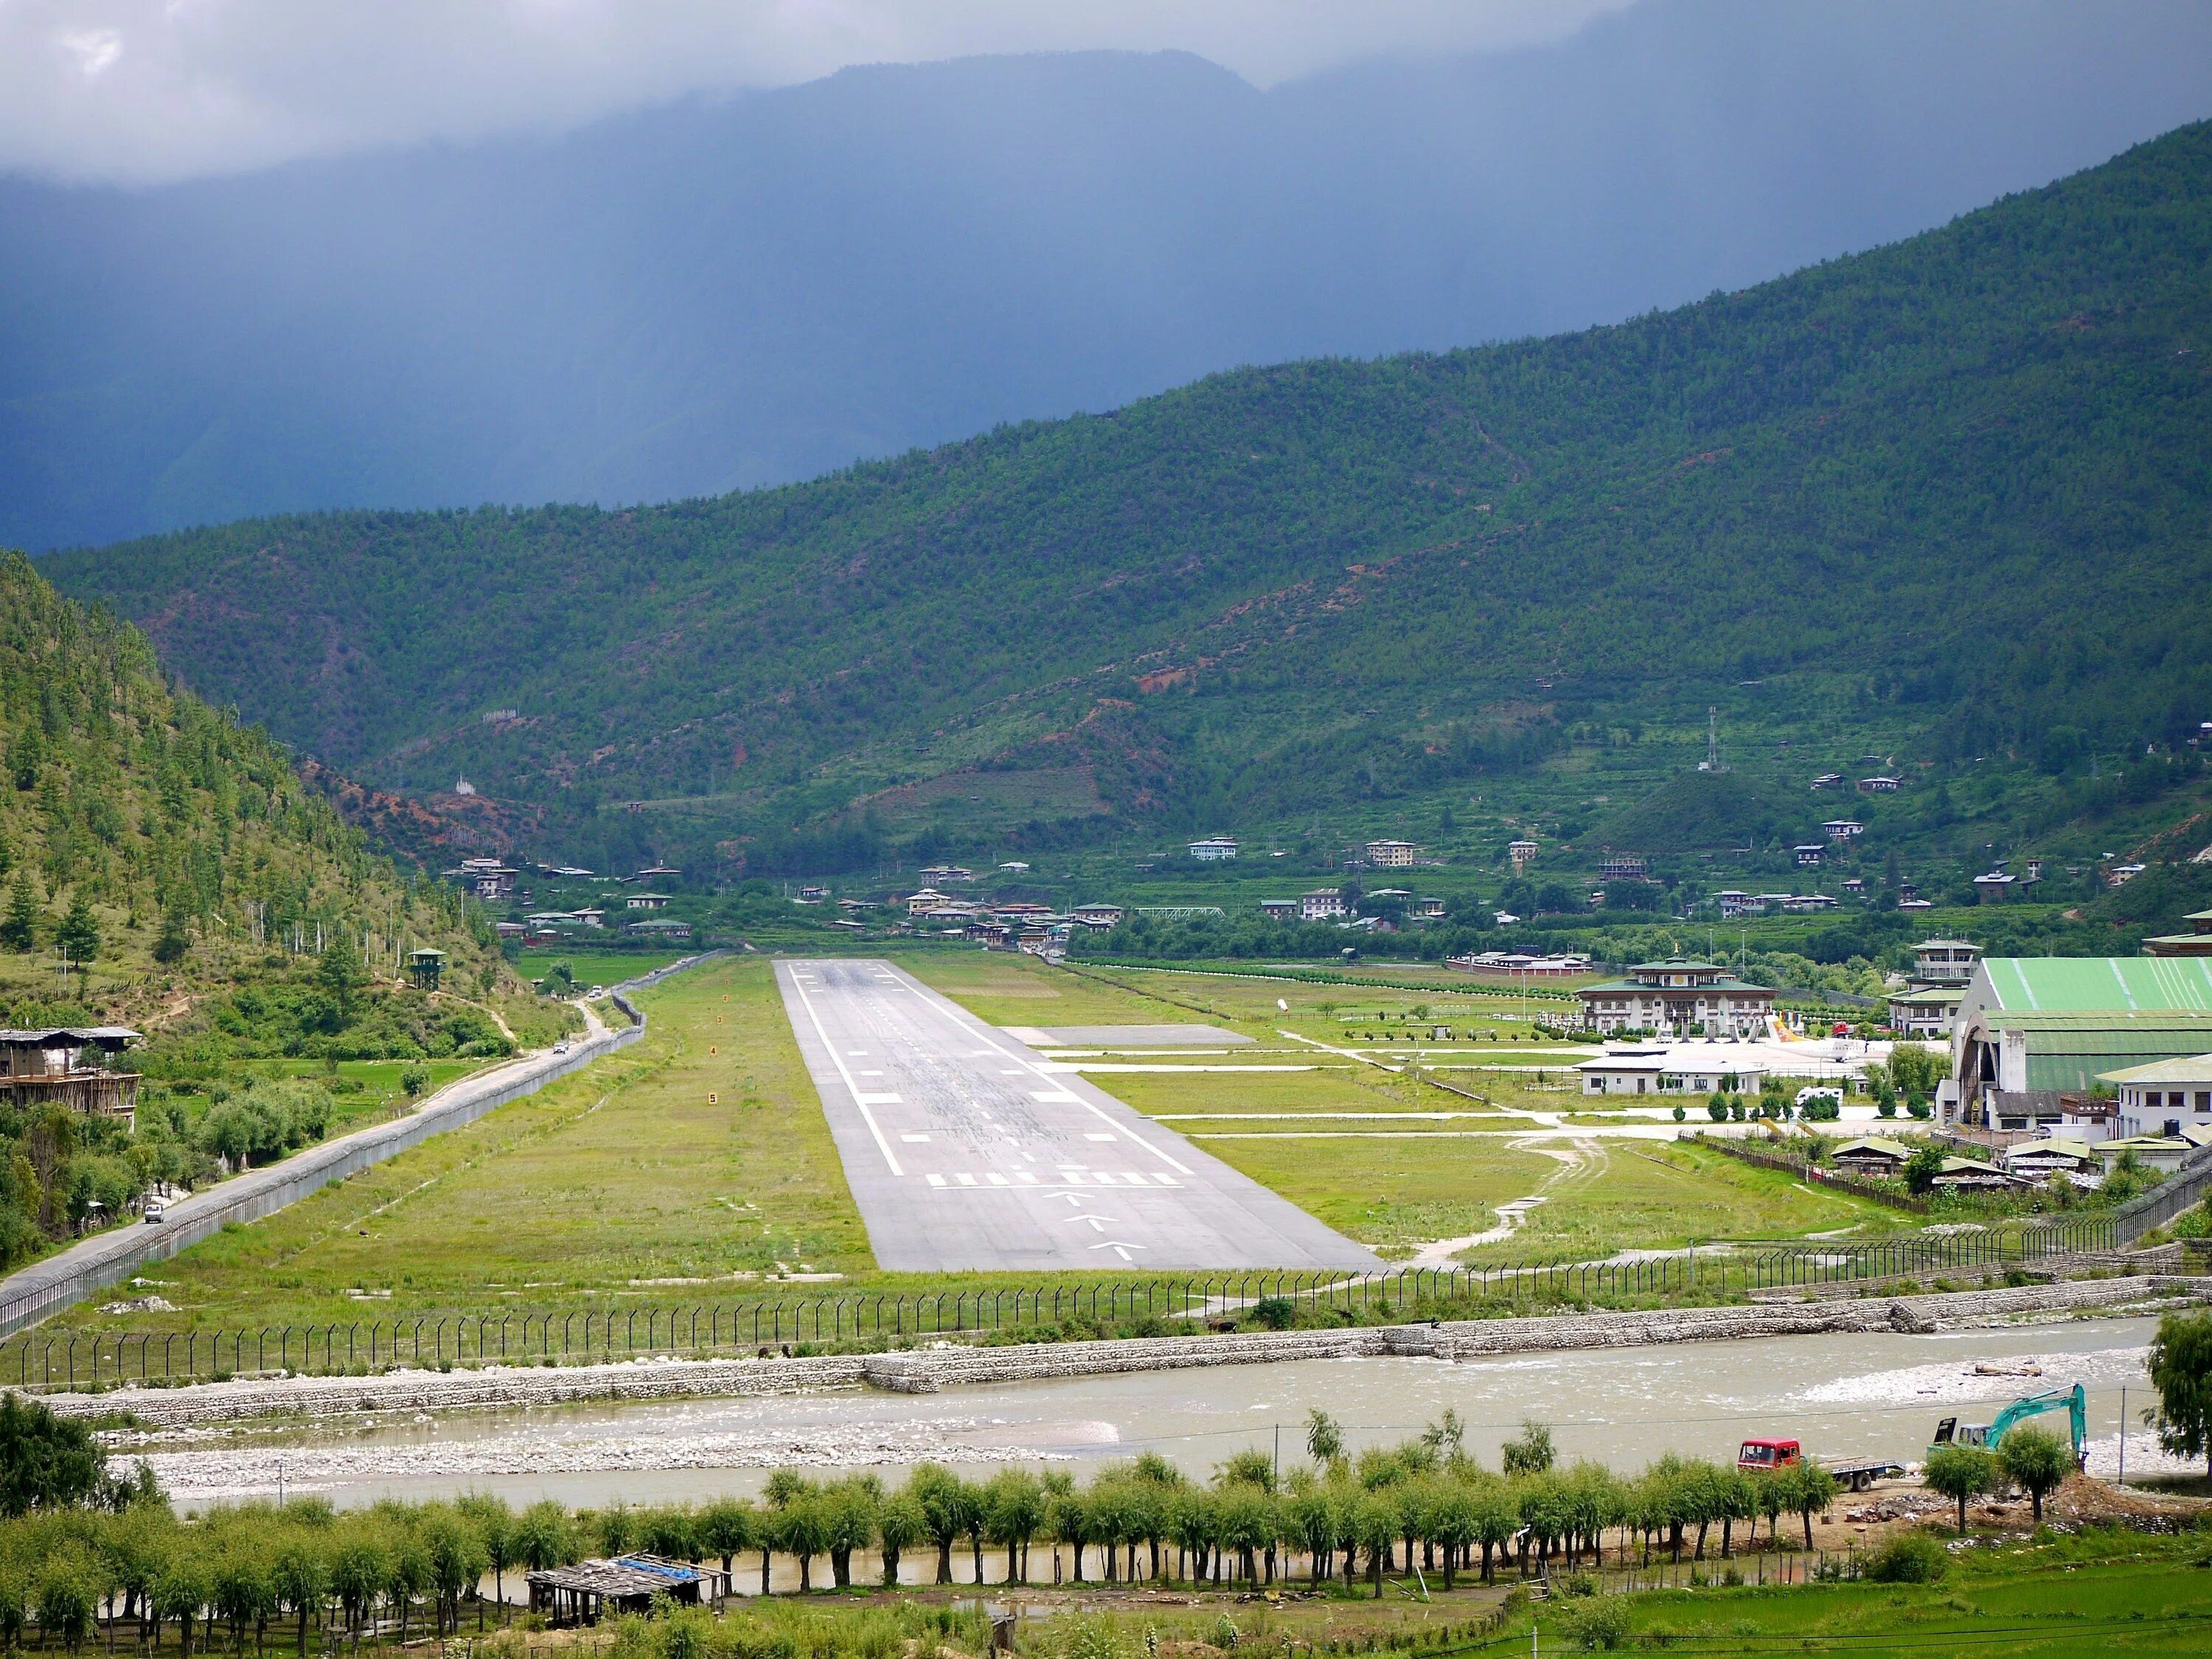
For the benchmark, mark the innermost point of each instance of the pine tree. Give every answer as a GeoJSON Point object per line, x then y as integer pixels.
{"type": "Point", "coordinates": [19, 928]}
{"type": "Point", "coordinates": [176, 938]}
{"type": "Point", "coordinates": [79, 934]}
{"type": "Point", "coordinates": [341, 974]}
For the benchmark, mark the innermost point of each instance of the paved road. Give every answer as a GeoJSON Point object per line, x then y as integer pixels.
{"type": "Point", "coordinates": [968, 1152]}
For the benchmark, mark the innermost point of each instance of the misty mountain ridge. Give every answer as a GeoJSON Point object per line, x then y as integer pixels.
{"type": "Point", "coordinates": [728, 294]}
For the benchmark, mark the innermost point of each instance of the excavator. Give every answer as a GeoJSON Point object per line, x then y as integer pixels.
{"type": "Point", "coordinates": [2073, 1402]}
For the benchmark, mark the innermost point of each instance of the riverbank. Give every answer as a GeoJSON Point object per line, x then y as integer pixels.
{"type": "Point", "coordinates": [946, 1365]}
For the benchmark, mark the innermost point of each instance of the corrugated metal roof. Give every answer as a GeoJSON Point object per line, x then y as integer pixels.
{"type": "Point", "coordinates": [2188, 1068]}
{"type": "Point", "coordinates": [2088, 984]}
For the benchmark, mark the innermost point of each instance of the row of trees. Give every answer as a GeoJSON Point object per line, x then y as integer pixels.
{"type": "Point", "coordinates": [1422, 1506]}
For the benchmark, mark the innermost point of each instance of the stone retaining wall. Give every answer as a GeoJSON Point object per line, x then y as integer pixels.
{"type": "Point", "coordinates": [930, 1370]}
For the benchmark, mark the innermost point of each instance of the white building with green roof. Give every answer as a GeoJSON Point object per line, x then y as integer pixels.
{"type": "Point", "coordinates": [2164, 1099]}
{"type": "Point", "coordinates": [2033, 1028]}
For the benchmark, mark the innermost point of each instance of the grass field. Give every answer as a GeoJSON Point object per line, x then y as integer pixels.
{"type": "Point", "coordinates": [2101, 1592]}
{"type": "Point", "coordinates": [670, 1169]}
{"type": "Point", "coordinates": [590, 967]}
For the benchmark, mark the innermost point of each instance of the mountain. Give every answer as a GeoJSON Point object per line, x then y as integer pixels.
{"type": "Point", "coordinates": [723, 294]}
{"type": "Point", "coordinates": [1936, 504]}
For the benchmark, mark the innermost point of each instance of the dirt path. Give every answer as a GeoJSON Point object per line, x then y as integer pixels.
{"type": "Point", "coordinates": [1515, 1211]}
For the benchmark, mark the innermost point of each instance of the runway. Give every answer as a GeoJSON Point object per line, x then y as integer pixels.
{"type": "Point", "coordinates": [967, 1152]}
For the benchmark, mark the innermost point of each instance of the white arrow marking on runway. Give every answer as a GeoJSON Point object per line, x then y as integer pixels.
{"type": "Point", "coordinates": [1098, 1222]}
{"type": "Point", "coordinates": [1118, 1248]}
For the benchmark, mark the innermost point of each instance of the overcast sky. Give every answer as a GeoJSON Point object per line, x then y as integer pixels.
{"type": "Point", "coordinates": [164, 89]}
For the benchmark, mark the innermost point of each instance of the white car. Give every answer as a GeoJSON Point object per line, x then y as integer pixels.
{"type": "Point", "coordinates": [560, 1048]}
{"type": "Point", "coordinates": [154, 1215]}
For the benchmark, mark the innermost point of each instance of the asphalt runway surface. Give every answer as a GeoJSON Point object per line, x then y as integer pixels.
{"type": "Point", "coordinates": [968, 1152]}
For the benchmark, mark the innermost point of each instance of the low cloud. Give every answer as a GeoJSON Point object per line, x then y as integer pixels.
{"type": "Point", "coordinates": [146, 90]}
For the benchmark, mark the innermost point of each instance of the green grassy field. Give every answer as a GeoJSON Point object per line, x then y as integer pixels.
{"type": "Point", "coordinates": [685, 1168]}
{"type": "Point", "coordinates": [608, 968]}
{"type": "Point", "coordinates": [2101, 1592]}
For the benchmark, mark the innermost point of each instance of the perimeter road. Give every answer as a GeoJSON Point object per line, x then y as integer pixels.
{"type": "Point", "coordinates": [968, 1153]}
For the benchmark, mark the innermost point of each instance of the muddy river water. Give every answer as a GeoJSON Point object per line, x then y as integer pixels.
{"type": "Point", "coordinates": [1844, 1396]}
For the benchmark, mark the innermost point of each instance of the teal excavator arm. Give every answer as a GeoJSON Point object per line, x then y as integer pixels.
{"type": "Point", "coordinates": [2073, 1402]}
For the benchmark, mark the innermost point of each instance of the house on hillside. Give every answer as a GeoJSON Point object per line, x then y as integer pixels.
{"type": "Point", "coordinates": [1322, 904]}
{"type": "Point", "coordinates": [1622, 866]}
{"type": "Point", "coordinates": [1881, 786]}
{"type": "Point", "coordinates": [1392, 854]}
{"type": "Point", "coordinates": [1522, 853]}
{"type": "Point", "coordinates": [1100, 916]}
{"type": "Point", "coordinates": [646, 901]}
{"type": "Point", "coordinates": [1809, 854]}
{"type": "Point", "coordinates": [1841, 830]}
{"type": "Point", "coordinates": [666, 929]}
{"type": "Point", "coordinates": [1214, 849]}
{"type": "Point", "coordinates": [68, 1066]}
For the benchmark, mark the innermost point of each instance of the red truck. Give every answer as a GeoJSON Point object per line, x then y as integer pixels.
{"type": "Point", "coordinates": [1767, 1456]}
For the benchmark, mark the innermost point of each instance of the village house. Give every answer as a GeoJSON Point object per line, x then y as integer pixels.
{"type": "Point", "coordinates": [2039, 1160]}
{"type": "Point", "coordinates": [1322, 904]}
{"type": "Point", "coordinates": [1843, 829]}
{"type": "Point", "coordinates": [1281, 910]}
{"type": "Point", "coordinates": [1392, 854]}
{"type": "Point", "coordinates": [1881, 786]}
{"type": "Point", "coordinates": [1522, 853]}
{"type": "Point", "coordinates": [920, 903]}
{"type": "Point", "coordinates": [1678, 997]}
{"type": "Point", "coordinates": [646, 902]}
{"type": "Point", "coordinates": [1215, 849]}
{"type": "Point", "coordinates": [1100, 916]}
{"type": "Point", "coordinates": [1966, 1175]}
{"type": "Point", "coordinates": [1621, 866]}
{"type": "Point", "coordinates": [1993, 888]}
{"type": "Point", "coordinates": [2163, 1153]}
{"type": "Point", "coordinates": [68, 1066]}
{"type": "Point", "coordinates": [592, 1590]}
{"type": "Point", "coordinates": [1828, 781]}
{"type": "Point", "coordinates": [1426, 909]}
{"type": "Point", "coordinates": [1808, 855]}
{"type": "Point", "coordinates": [1874, 1158]}
{"type": "Point", "coordinates": [660, 927]}
{"type": "Point", "coordinates": [946, 872]}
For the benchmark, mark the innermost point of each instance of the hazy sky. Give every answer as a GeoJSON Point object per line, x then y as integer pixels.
{"type": "Point", "coordinates": [164, 89]}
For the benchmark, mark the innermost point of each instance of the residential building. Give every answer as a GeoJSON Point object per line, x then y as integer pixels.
{"type": "Point", "coordinates": [1215, 849]}
{"type": "Point", "coordinates": [1522, 853]}
{"type": "Point", "coordinates": [1021, 912]}
{"type": "Point", "coordinates": [1621, 866]}
{"type": "Point", "coordinates": [1881, 786]}
{"type": "Point", "coordinates": [1426, 909]}
{"type": "Point", "coordinates": [1993, 887]}
{"type": "Point", "coordinates": [590, 916]}
{"type": "Point", "coordinates": [946, 872]}
{"type": "Point", "coordinates": [1809, 856]}
{"type": "Point", "coordinates": [2196, 942]}
{"type": "Point", "coordinates": [1677, 997]}
{"type": "Point", "coordinates": [487, 879]}
{"type": "Point", "coordinates": [660, 927]}
{"type": "Point", "coordinates": [2029, 1029]}
{"type": "Point", "coordinates": [925, 899]}
{"type": "Point", "coordinates": [68, 1066]}
{"type": "Point", "coordinates": [1322, 904]}
{"type": "Point", "coordinates": [1097, 915]}
{"type": "Point", "coordinates": [1828, 781]}
{"type": "Point", "coordinates": [2165, 1098]}
{"type": "Point", "coordinates": [2039, 1160]}
{"type": "Point", "coordinates": [1015, 866]}
{"type": "Point", "coordinates": [813, 893]}
{"type": "Point", "coordinates": [1392, 854]}
{"type": "Point", "coordinates": [1855, 886]}
{"type": "Point", "coordinates": [2119, 875]}
{"type": "Point", "coordinates": [646, 901]}
{"type": "Point", "coordinates": [1874, 1156]}
{"type": "Point", "coordinates": [1842, 829]}
{"type": "Point", "coordinates": [1808, 902]}
{"type": "Point", "coordinates": [659, 872]}
{"type": "Point", "coordinates": [1284, 909]}
{"type": "Point", "coordinates": [1970, 1174]}
{"type": "Point", "coordinates": [1734, 902]}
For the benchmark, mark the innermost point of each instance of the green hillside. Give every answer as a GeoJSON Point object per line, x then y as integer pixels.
{"type": "Point", "coordinates": [161, 867]}
{"type": "Point", "coordinates": [1941, 507]}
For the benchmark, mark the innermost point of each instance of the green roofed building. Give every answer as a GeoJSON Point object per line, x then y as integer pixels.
{"type": "Point", "coordinates": [2031, 1029]}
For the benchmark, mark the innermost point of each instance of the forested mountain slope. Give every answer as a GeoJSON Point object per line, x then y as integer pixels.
{"type": "Point", "coordinates": [1954, 488]}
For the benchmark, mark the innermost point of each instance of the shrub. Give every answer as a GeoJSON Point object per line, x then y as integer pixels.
{"type": "Point", "coordinates": [1910, 1557]}
{"type": "Point", "coordinates": [1594, 1626]}
{"type": "Point", "coordinates": [1275, 1312]}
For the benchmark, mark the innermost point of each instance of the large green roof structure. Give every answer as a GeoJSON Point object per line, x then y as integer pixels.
{"type": "Point", "coordinates": [2099, 985]}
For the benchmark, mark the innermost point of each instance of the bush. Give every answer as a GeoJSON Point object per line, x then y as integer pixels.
{"type": "Point", "coordinates": [1275, 1312]}
{"type": "Point", "coordinates": [1594, 1626]}
{"type": "Point", "coordinates": [1910, 1557]}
